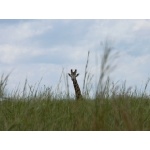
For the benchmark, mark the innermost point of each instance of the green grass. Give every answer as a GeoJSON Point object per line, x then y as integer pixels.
{"type": "Point", "coordinates": [68, 115]}
{"type": "Point", "coordinates": [112, 108]}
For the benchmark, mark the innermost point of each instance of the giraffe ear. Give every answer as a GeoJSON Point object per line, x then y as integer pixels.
{"type": "Point", "coordinates": [77, 75]}
{"type": "Point", "coordinates": [75, 71]}
{"type": "Point", "coordinates": [69, 74]}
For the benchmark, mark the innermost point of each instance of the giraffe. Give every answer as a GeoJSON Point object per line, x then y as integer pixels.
{"type": "Point", "coordinates": [73, 76]}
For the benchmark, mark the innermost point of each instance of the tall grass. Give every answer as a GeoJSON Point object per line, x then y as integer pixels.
{"type": "Point", "coordinates": [3, 84]}
{"type": "Point", "coordinates": [87, 81]}
{"type": "Point", "coordinates": [113, 107]}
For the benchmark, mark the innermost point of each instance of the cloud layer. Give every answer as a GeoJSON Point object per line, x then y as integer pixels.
{"type": "Point", "coordinates": [41, 48]}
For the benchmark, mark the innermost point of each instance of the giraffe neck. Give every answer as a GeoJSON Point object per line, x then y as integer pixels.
{"type": "Point", "coordinates": [77, 89]}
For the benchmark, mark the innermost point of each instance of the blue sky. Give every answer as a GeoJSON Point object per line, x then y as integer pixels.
{"type": "Point", "coordinates": [36, 49]}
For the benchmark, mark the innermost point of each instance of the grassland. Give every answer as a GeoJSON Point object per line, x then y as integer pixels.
{"type": "Point", "coordinates": [65, 115]}
{"type": "Point", "coordinates": [113, 107]}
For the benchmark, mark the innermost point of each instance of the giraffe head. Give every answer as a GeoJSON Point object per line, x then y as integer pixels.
{"type": "Point", "coordinates": [73, 74]}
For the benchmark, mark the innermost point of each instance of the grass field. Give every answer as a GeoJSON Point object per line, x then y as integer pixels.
{"type": "Point", "coordinates": [113, 108]}
{"type": "Point", "coordinates": [101, 114]}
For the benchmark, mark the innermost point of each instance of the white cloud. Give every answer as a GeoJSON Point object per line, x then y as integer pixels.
{"type": "Point", "coordinates": [30, 60]}
{"type": "Point", "coordinates": [142, 25]}
{"type": "Point", "coordinates": [123, 32]}
{"type": "Point", "coordinates": [11, 54]}
{"type": "Point", "coordinates": [23, 30]}
{"type": "Point", "coordinates": [133, 69]}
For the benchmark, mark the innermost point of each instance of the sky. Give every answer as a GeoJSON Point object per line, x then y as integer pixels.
{"type": "Point", "coordinates": [36, 49]}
